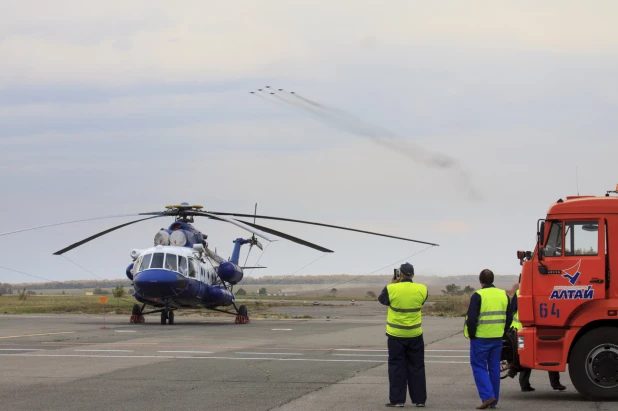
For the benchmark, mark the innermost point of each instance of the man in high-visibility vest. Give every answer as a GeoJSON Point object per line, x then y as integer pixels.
{"type": "Point", "coordinates": [406, 348]}
{"type": "Point", "coordinates": [524, 374]}
{"type": "Point", "coordinates": [487, 320]}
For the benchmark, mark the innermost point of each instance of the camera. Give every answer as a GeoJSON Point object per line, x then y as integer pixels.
{"type": "Point", "coordinates": [396, 274]}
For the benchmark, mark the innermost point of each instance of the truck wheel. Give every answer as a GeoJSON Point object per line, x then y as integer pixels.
{"type": "Point", "coordinates": [593, 365]}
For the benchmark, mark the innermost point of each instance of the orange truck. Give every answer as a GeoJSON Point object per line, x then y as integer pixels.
{"type": "Point", "coordinates": [568, 295]}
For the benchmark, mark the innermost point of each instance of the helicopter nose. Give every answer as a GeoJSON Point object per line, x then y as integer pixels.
{"type": "Point", "coordinates": [159, 283]}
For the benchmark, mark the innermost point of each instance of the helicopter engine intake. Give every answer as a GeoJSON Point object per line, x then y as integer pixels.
{"type": "Point", "coordinates": [129, 272]}
{"type": "Point", "coordinates": [162, 238]}
{"type": "Point", "coordinates": [230, 272]}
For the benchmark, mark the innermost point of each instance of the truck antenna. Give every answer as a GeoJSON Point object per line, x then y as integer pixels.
{"type": "Point", "coordinates": [577, 180]}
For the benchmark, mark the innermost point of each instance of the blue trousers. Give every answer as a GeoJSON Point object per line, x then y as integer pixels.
{"type": "Point", "coordinates": [406, 369]}
{"type": "Point", "coordinates": [485, 362]}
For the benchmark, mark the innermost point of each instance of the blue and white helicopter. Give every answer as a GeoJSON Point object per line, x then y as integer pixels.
{"type": "Point", "coordinates": [180, 271]}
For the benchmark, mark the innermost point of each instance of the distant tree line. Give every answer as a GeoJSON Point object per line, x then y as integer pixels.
{"type": "Point", "coordinates": [79, 284]}
{"type": "Point", "coordinates": [266, 280]}
{"type": "Point", "coordinates": [453, 289]}
{"type": "Point", "coordinates": [6, 288]}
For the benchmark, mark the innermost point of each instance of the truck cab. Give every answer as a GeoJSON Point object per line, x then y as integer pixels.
{"type": "Point", "coordinates": [568, 296]}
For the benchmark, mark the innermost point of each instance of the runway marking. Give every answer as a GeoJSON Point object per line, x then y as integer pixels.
{"type": "Point", "coordinates": [280, 329]}
{"type": "Point", "coordinates": [22, 349]}
{"type": "Point", "coordinates": [96, 343]}
{"type": "Point", "coordinates": [363, 355]}
{"type": "Point", "coordinates": [357, 349]}
{"type": "Point", "coordinates": [36, 335]}
{"type": "Point", "coordinates": [269, 353]}
{"type": "Point", "coordinates": [447, 350]}
{"type": "Point", "coordinates": [188, 352]}
{"type": "Point", "coordinates": [104, 350]}
{"type": "Point", "coordinates": [171, 357]}
{"type": "Point", "coordinates": [384, 355]}
{"type": "Point", "coordinates": [125, 331]}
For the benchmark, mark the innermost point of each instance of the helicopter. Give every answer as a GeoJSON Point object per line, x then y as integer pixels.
{"type": "Point", "coordinates": [180, 271]}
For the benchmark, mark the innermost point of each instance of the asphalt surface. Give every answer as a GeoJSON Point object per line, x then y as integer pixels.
{"type": "Point", "coordinates": [76, 362]}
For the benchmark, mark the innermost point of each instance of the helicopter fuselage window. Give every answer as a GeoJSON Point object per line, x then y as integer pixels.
{"type": "Point", "coordinates": [191, 268]}
{"type": "Point", "coordinates": [145, 262]}
{"type": "Point", "coordinates": [157, 260]}
{"type": "Point", "coordinates": [182, 267]}
{"type": "Point", "coordinates": [171, 262]}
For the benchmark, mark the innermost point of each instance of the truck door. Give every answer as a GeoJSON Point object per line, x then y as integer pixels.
{"type": "Point", "coordinates": [572, 271]}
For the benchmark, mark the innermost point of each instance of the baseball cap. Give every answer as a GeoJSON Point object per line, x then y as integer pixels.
{"type": "Point", "coordinates": [407, 269]}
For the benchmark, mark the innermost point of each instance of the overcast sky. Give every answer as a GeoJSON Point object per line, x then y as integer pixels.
{"type": "Point", "coordinates": [126, 106]}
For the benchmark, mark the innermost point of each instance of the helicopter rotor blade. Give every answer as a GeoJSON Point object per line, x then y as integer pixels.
{"type": "Point", "coordinates": [74, 221]}
{"type": "Point", "coordinates": [237, 223]}
{"type": "Point", "coordinates": [109, 230]}
{"type": "Point", "coordinates": [319, 224]}
{"type": "Point", "coordinates": [288, 237]}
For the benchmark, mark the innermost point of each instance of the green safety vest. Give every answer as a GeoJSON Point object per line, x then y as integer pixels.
{"type": "Point", "coordinates": [516, 323]}
{"type": "Point", "coordinates": [492, 317]}
{"type": "Point", "coordinates": [404, 312]}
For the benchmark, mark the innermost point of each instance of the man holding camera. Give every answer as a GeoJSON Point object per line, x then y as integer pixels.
{"type": "Point", "coordinates": [406, 348]}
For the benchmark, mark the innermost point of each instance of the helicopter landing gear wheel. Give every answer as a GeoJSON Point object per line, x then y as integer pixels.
{"type": "Point", "coordinates": [170, 317]}
{"type": "Point", "coordinates": [136, 314]}
{"type": "Point", "coordinates": [243, 315]}
{"type": "Point", "coordinates": [163, 317]}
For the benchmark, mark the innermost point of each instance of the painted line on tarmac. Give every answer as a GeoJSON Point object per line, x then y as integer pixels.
{"type": "Point", "coordinates": [363, 355]}
{"type": "Point", "coordinates": [280, 329]}
{"type": "Point", "coordinates": [447, 350]}
{"type": "Point", "coordinates": [125, 331]}
{"type": "Point", "coordinates": [36, 335]}
{"type": "Point", "coordinates": [22, 349]}
{"type": "Point", "coordinates": [173, 357]}
{"type": "Point", "coordinates": [363, 350]}
{"type": "Point", "coordinates": [187, 352]}
{"type": "Point", "coordinates": [103, 350]}
{"type": "Point", "coordinates": [97, 343]}
{"type": "Point", "coordinates": [384, 355]}
{"type": "Point", "coordinates": [269, 353]}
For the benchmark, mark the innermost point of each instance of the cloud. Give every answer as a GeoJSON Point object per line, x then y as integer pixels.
{"type": "Point", "coordinates": [120, 43]}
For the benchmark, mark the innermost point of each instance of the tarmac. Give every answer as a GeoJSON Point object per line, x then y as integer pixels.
{"type": "Point", "coordinates": [336, 360]}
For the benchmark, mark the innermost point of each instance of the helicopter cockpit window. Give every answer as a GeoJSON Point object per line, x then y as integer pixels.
{"type": "Point", "coordinates": [182, 266]}
{"type": "Point", "coordinates": [145, 263]}
{"type": "Point", "coordinates": [553, 248]}
{"type": "Point", "coordinates": [171, 262]}
{"type": "Point", "coordinates": [157, 260]}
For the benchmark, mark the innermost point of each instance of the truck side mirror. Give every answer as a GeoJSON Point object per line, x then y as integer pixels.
{"type": "Point", "coordinates": [540, 233]}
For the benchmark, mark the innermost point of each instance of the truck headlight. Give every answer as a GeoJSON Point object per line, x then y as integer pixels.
{"type": "Point", "coordinates": [520, 342]}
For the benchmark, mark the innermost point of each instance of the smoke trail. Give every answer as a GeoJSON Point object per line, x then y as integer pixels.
{"type": "Point", "coordinates": [391, 141]}
{"type": "Point", "coordinates": [269, 100]}
{"type": "Point", "coordinates": [350, 123]}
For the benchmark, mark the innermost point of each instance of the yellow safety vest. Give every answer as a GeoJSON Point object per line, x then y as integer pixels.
{"type": "Point", "coordinates": [492, 317]}
{"type": "Point", "coordinates": [516, 323]}
{"type": "Point", "coordinates": [404, 312]}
